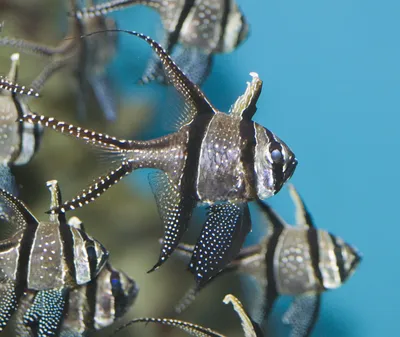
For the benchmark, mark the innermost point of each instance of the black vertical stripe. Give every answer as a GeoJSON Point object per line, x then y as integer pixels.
{"type": "Point", "coordinates": [118, 294]}
{"type": "Point", "coordinates": [91, 252]}
{"type": "Point", "coordinates": [224, 21]}
{"type": "Point", "coordinates": [174, 36]}
{"type": "Point", "coordinates": [68, 247]}
{"type": "Point", "coordinates": [91, 299]}
{"type": "Point", "coordinates": [277, 167]}
{"type": "Point", "coordinates": [248, 138]}
{"type": "Point", "coordinates": [24, 258]}
{"type": "Point", "coordinates": [37, 132]}
{"type": "Point", "coordinates": [339, 258]}
{"type": "Point", "coordinates": [272, 291]}
{"type": "Point", "coordinates": [312, 237]}
{"type": "Point", "coordinates": [197, 133]}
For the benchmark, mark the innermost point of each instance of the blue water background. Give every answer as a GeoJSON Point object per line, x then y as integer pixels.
{"type": "Point", "coordinates": [331, 90]}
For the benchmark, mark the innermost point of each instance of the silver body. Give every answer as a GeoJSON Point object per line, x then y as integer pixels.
{"type": "Point", "coordinates": [18, 141]}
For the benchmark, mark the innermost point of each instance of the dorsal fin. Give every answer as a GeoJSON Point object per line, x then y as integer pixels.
{"type": "Point", "coordinates": [303, 216]}
{"type": "Point", "coordinates": [274, 221]}
{"type": "Point", "coordinates": [250, 328]}
{"type": "Point", "coordinates": [199, 104]}
{"type": "Point", "coordinates": [55, 201]}
{"type": "Point", "coordinates": [245, 106]}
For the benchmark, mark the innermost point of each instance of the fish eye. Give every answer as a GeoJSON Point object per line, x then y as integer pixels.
{"type": "Point", "coordinates": [277, 156]}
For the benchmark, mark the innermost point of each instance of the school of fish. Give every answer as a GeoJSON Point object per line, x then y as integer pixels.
{"type": "Point", "coordinates": [56, 279]}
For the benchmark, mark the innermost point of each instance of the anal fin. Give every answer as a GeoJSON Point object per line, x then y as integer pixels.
{"type": "Point", "coordinates": [45, 315]}
{"type": "Point", "coordinates": [223, 235]}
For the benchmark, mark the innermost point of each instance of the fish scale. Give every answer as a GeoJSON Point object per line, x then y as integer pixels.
{"type": "Point", "coordinates": [213, 157]}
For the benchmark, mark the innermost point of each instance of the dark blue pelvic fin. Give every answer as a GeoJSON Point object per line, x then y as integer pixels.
{"type": "Point", "coordinates": [175, 213]}
{"type": "Point", "coordinates": [44, 317]}
{"type": "Point", "coordinates": [221, 238]}
{"type": "Point", "coordinates": [8, 301]}
{"type": "Point", "coordinates": [105, 97]}
{"type": "Point", "coordinates": [303, 314]}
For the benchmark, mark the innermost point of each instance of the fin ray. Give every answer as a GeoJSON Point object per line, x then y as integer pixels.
{"type": "Point", "coordinates": [302, 314]}
{"type": "Point", "coordinates": [193, 329]}
{"type": "Point", "coordinates": [174, 214]}
{"type": "Point", "coordinates": [95, 190]}
{"type": "Point", "coordinates": [303, 216]}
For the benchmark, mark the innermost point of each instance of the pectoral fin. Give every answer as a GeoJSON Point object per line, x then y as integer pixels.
{"type": "Point", "coordinates": [303, 314]}
{"type": "Point", "coordinates": [175, 213]}
{"type": "Point", "coordinates": [223, 234]}
{"type": "Point", "coordinates": [44, 317]}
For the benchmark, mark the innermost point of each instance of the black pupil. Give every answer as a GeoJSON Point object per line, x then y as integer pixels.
{"type": "Point", "coordinates": [276, 156]}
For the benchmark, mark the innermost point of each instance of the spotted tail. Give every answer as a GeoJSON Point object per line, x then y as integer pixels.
{"type": "Point", "coordinates": [5, 84]}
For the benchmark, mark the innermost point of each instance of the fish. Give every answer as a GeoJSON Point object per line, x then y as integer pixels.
{"type": "Point", "coordinates": [90, 307]}
{"type": "Point", "coordinates": [250, 327]}
{"type": "Point", "coordinates": [300, 261]}
{"type": "Point", "coordinates": [214, 158]}
{"type": "Point", "coordinates": [48, 257]}
{"type": "Point", "coordinates": [88, 59]}
{"type": "Point", "coordinates": [19, 141]}
{"type": "Point", "coordinates": [202, 27]}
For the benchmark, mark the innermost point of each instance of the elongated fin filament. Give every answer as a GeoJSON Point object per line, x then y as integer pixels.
{"type": "Point", "coordinates": [92, 137]}
{"type": "Point", "coordinates": [5, 84]}
{"type": "Point", "coordinates": [94, 191]}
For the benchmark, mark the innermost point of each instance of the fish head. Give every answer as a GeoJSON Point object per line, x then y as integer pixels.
{"type": "Point", "coordinates": [90, 256]}
{"type": "Point", "coordinates": [274, 162]}
{"type": "Point", "coordinates": [351, 258]}
{"type": "Point", "coordinates": [116, 293]}
{"type": "Point", "coordinates": [124, 290]}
